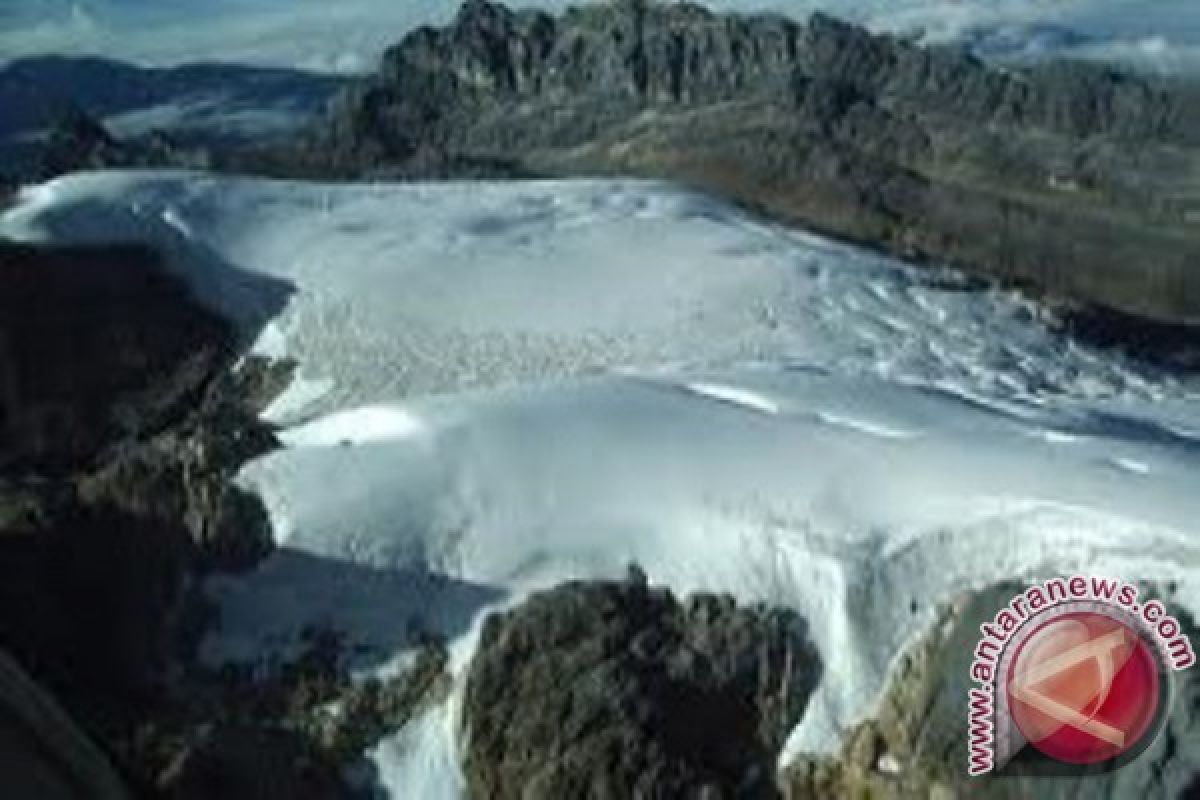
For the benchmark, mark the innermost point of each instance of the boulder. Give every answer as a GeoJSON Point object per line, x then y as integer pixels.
{"type": "Point", "coordinates": [615, 689]}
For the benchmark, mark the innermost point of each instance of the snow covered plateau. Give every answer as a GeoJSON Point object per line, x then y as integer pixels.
{"type": "Point", "coordinates": [502, 386]}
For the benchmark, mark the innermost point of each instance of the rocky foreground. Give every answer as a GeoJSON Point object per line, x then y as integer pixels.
{"type": "Point", "coordinates": [1073, 179]}
{"type": "Point", "coordinates": [121, 422]}
{"type": "Point", "coordinates": [620, 690]}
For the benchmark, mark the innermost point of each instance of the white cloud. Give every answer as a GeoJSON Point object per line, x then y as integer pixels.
{"type": "Point", "coordinates": [343, 37]}
{"type": "Point", "coordinates": [349, 35]}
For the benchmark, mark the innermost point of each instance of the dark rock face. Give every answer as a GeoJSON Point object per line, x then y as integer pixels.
{"type": "Point", "coordinates": [78, 142]}
{"type": "Point", "coordinates": [185, 474]}
{"type": "Point", "coordinates": [617, 690]}
{"type": "Point", "coordinates": [1072, 179]}
{"type": "Point", "coordinates": [120, 427]}
{"type": "Point", "coordinates": [615, 59]}
{"type": "Point", "coordinates": [1173, 347]}
{"type": "Point", "coordinates": [94, 606]}
{"type": "Point", "coordinates": [96, 344]}
{"type": "Point", "coordinates": [628, 50]}
{"type": "Point", "coordinates": [289, 733]}
{"type": "Point", "coordinates": [114, 383]}
{"type": "Point", "coordinates": [122, 422]}
{"type": "Point", "coordinates": [43, 754]}
{"type": "Point", "coordinates": [650, 53]}
{"type": "Point", "coordinates": [1069, 98]}
{"type": "Point", "coordinates": [251, 763]}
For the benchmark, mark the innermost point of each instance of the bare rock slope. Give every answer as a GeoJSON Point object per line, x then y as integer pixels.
{"type": "Point", "coordinates": [619, 690]}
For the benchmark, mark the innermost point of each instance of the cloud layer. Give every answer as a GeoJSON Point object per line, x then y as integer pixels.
{"type": "Point", "coordinates": [347, 36]}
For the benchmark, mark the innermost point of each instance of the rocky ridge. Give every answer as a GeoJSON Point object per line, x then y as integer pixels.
{"type": "Point", "coordinates": [124, 413]}
{"type": "Point", "coordinates": [1076, 180]}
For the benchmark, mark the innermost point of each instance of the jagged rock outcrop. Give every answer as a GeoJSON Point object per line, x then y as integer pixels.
{"type": "Point", "coordinates": [619, 690]}
{"type": "Point", "coordinates": [1074, 179]}
{"type": "Point", "coordinates": [649, 53]}
{"type": "Point", "coordinates": [123, 418]}
{"type": "Point", "coordinates": [185, 473]}
{"type": "Point", "coordinates": [117, 385]}
{"type": "Point", "coordinates": [290, 733]}
{"type": "Point", "coordinates": [97, 345]}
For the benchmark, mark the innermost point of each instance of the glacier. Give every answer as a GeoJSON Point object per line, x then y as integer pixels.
{"type": "Point", "coordinates": [505, 385]}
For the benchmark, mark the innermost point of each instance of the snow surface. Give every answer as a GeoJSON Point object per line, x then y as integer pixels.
{"type": "Point", "coordinates": [506, 385]}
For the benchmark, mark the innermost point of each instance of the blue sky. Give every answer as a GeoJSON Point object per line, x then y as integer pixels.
{"type": "Point", "coordinates": [348, 35]}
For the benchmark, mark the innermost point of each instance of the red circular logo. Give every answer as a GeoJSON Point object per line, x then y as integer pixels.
{"type": "Point", "coordinates": [1084, 688]}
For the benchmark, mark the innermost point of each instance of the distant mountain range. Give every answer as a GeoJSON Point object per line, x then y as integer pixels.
{"type": "Point", "coordinates": [203, 99]}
